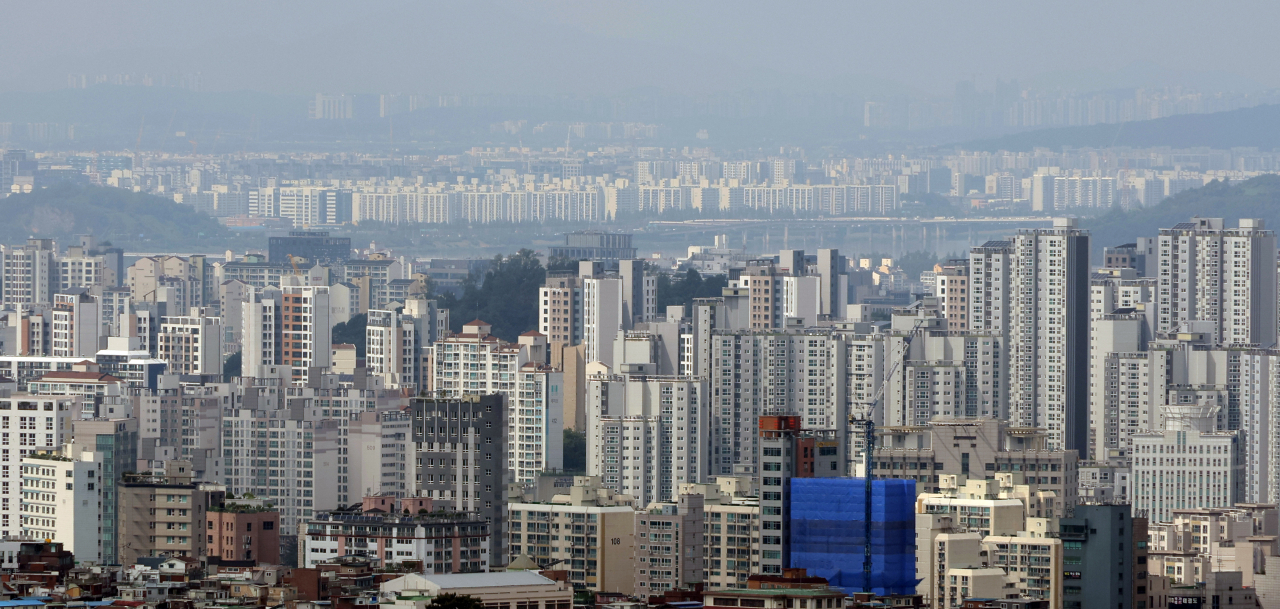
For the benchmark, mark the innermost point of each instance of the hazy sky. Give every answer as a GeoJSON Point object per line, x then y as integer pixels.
{"type": "Point", "coordinates": [601, 46]}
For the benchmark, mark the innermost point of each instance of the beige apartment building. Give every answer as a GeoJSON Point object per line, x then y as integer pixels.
{"type": "Point", "coordinates": [165, 514]}
{"type": "Point", "coordinates": [731, 531]}
{"type": "Point", "coordinates": [669, 545]}
{"type": "Point", "coordinates": [589, 532]}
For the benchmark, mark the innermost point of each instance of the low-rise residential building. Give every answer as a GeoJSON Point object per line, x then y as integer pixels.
{"type": "Point", "coordinates": [588, 532]}
{"type": "Point", "coordinates": [441, 542]}
{"type": "Point", "coordinates": [163, 514]}
{"type": "Point", "coordinates": [510, 589]}
{"type": "Point", "coordinates": [775, 596]}
{"type": "Point", "coordinates": [243, 531]}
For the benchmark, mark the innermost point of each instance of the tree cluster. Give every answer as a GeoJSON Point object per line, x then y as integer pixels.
{"type": "Point", "coordinates": [682, 289]}
{"type": "Point", "coordinates": [506, 299]}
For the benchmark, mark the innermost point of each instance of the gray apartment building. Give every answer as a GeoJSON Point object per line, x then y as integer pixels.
{"type": "Point", "coordinates": [461, 463]}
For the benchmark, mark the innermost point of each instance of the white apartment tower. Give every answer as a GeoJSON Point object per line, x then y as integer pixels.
{"type": "Point", "coordinates": [395, 342]}
{"type": "Point", "coordinates": [609, 304]}
{"type": "Point", "coordinates": [261, 334]}
{"type": "Point", "coordinates": [29, 273]}
{"type": "Point", "coordinates": [1035, 291]}
{"type": "Point", "coordinates": [602, 317]}
{"type": "Point", "coordinates": [647, 435]}
{"type": "Point", "coordinates": [79, 270]}
{"type": "Point", "coordinates": [62, 501]}
{"type": "Point", "coordinates": [28, 423]}
{"type": "Point", "coordinates": [1225, 279]}
{"type": "Point", "coordinates": [1188, 465]}
{"type": "Point", "coordinates": [192, 343]}
{"type": "Point", "coordinates": [77, 324]}
{"type": "Point", "coordinates": [475, 362]}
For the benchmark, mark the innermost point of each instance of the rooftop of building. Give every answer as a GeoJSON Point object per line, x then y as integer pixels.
{"type": "Point", "coordinates": [775, 592]}
{"type": "Point", "coordinates": [241, 508]}
{"type": "Point", "coordinates": [378, 516]}
{"type": "Point", "coordinates": [483, 580]}
{"type": "Point", "coordinates": [74, 375]}
{"type": "Point", "coordinates": [48, 456]}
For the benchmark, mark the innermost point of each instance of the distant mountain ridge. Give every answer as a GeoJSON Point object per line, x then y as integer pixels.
{"type": "Point", "coordinates": [1255, 198]}
{"type": "Point", "coordinates": [127, 219]}
{"type": "Point", "coordinates": [1256, 127]}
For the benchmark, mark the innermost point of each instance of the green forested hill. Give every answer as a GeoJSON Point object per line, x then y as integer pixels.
{"type": "Point", "coordinates": [1255, 198]}
{"type": "Point", "coordinates": [127, 219]}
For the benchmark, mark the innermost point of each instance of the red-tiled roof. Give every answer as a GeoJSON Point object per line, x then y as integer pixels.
{"type": "Point", "coordinates": [477, 322]}
{"type": "Point", "coordinates": [533, 333]}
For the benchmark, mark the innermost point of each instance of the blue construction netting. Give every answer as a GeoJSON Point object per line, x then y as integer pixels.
{"type": "Point", "coordinates": [828, 532]}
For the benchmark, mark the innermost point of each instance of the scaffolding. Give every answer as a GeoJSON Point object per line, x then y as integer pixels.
{"type": "Point", "coordinates": [828, 532]}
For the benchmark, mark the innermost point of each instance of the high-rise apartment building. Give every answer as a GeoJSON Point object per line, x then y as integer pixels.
{"type": "Point", "coordinates": [192, 343]}
{"type": "Point", "coordinates": [647, 434]}
{"type": "Point", "coordinates": [29, 273]}
{"type": "Point", "coordinates": [171, 279]}
{"type": "Point", "coordinates": [62, 501]}
{"type": "Point", "coordinates": [1104, 558]}
{"type": "Point", "coordinates": [287, 326]}
{"type": "Point", "coordinates": [35, 422]}
{"type": "Point", "coordinates": [79, 269]}
{"type": "Point", "coordinates": [271, 453]}
{"type": "Point", "coordinates": [779, 372]}
{"type": "Point", "coordinates": [1218, 280]}
{"type": "Point", "coordinates": [952, 291]}
{"type": "Point", "coordinates": [460, 459]}
{"type": "Point", "coordinates": [396, 342]}
{"type": "Point", "coordinates": [941, 372]}
{"type": "Point", "coordinates": [77, 324]}
{"type": "Point", "coordinates": [114, 442]}
{"type": "Point", "coordinates": [560, 309]}
{"type": "Point", "coordinates": [1034, 289]}
{"type": "Point", "coordinates": [474, 362]}
{"type": "Point", "coordinates": [1187, 464]}
{"type": "Point", "coordinates": [787, 452]}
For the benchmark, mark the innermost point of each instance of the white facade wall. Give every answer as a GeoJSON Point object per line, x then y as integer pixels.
{"type": "Point", "coordinates": [62, 502]}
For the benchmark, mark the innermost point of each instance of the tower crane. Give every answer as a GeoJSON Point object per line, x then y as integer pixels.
{"type": "Point", "coordinates": [293, 260]}
{"type": "Point", "coordinates": [866, 420]}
